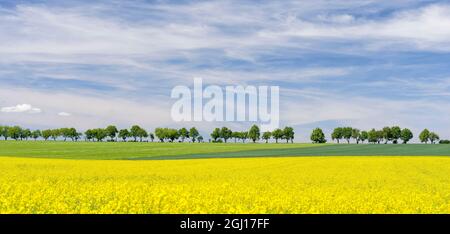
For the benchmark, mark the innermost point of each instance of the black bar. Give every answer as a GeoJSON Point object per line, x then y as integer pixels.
{"type": "Point", "coordinates": [225, 223]}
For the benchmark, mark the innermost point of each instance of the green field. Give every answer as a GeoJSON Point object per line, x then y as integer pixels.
{"type": "Point", "coordinates": [124, 150]}
{"type": "Point", "coordinates": [138, 150]}
{"type": "Point", "coordinates": [327, 150]}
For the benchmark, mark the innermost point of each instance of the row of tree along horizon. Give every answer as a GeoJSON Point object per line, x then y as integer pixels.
{"type": "Point", "coordinates": [385, 135]}
{"type": "Point", "coordinates": [224, 134]}
{"type": "Point", "coordinates": [137, 133]}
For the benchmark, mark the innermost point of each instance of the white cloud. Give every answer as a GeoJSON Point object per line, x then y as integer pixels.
{"type": "Point", "coordinates": [426, 28]}
{"type": "Point", "coordinates": [64, 114]}
{"type": "Point", "coordinates": [41, 33]}
{"type": "Point", "coordinates": [91, 112]}
{"type": "Point", "coordinates": [21, 108]}
{"type": "Point", "coordinates": [59, 40]}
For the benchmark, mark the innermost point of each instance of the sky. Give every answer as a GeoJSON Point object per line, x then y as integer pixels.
{"type": "Point", "coordinates": [87, 64]}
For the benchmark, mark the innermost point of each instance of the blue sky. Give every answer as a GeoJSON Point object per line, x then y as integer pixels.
{"type": "Point", "coordinates": [361, 63]}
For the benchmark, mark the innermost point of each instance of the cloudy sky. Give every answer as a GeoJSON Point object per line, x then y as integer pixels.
{"type": "Point", "coordinates": [92, 63]}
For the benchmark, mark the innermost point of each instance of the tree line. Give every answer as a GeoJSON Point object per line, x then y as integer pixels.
{"type": "Point", "coordinates": [385, 135]}
{"type": "Point", "coordinates": [254, 134]}
{"type": "Point", "coordinates": [137, 133]}
{"type": "Point", "coordinates": [19, 133]}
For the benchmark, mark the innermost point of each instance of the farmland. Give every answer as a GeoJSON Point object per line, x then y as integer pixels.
{"type": "Point", "coordinates": [144, 150]}
{"type": "Point", "coordinates": [124, 150]}
{"type": "Point", "coordinates": [107, 177]}
{"type": "Point", "coordinates": [245, 185]}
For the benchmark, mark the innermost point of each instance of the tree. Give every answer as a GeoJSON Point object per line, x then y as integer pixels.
{"type": "Point", "coordinates": [111, 131]}
{"type": "Point", "coordinates": [193, 134]}
{"type": "Point", "coordinates": [380, 136]}
{"type": "Point", "coordinates": [254, 133]}
{"type": "Point", "coordinates": [55, 133]}
{"type": "Point", "coordinates": [277, 134]}
{"type": "Point", "coordinates": [244, 136]}
{"type": "Point", "coordinates": [200, 139]}
{"type": "Point", "coordinates": [363, 136]}
{"type": "Point", "coordinates": [4, 132]}
{"type": "Point", "coordinates": [70, 133]}
{"type": "Point", "coordinates": [433, 137]}
{"type": "Point", "coordinates": [124, 134]}
{"type": "Point", "coordinates": [288, 133]}
{"type": "Point", "coordinates": [25, 134]}
{"type": "Point", "coordinates": [347, 134]}
{"type": "Point", "coordinates": [63, 133]}
{"type": "Point", "coordinates": [240, 135]}
{"type": "Point", "coordinates": [142, 133]}
{"type": "Point", "coordinates": [406, 135]}
{"type": "Point", "coordinates": [356, 134]}
{"type": "Point", "coordinates": [266, 136]}
{"type": "Point", "coordinates": [46, 134]}
{"type": "Point", "coordinates": [386, 134]}
{"type": "Point", "coordinates": [372, 136]}
{"type": "Point", "coordinates": [99, 134]}
{"type": "Point", "coordinates": [73, 134]}
{"type": "Point", "coordinates": [225, 133]}
{"type": "Point", "coordinates": [172, 134]}
{"type": "Point", "coordinates": [424, 136]}
{"type": "Point", "coordinates": [78, 136]}
{"type": "Point", "coordinates": [89, 134]}
{"type": "Point", "coordinates": [337, 134]}
{"type": "Point", "coordinates": [14, 132]}
{"type": "Point", "coordinates": [183, 133]}
{"type": "Point", "coordinates": [161, 133]}
{"type": "Point", "coordinates": [36, 134]}
{"type": "Point", "coordinates": [135, 132]}
{"type": "Point", "coordinates": [236, 136]}
{"type": "Point", "coordinates": [396, 133]}
{"type": "Point", "coordinates": [215, 134]}
{"type": "Point", "coordinates": [152, 137]}
{"type": "Point", "coordinates": [317, 136]}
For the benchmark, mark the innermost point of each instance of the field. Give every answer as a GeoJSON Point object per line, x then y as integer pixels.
{"type": "Point", "coordinates": [65, 177]}
{"type": "Point", "coordinates": [257, 185]}
{"type": "Point", "coordinates": [124, 150]}
{"type": "Point", "coordinates": [157, 151]}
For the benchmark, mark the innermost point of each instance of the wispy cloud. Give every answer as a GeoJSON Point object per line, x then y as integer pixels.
{"type": "Point", "coordinates": [359, 60]}
{"type": "Point", "coordinates": [426, 28]}
{"type": "Point", "coordinates": [52, 33]}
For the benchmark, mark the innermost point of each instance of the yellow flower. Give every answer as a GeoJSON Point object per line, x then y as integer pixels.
{"type": "Point", "coordinates": [246, 185]}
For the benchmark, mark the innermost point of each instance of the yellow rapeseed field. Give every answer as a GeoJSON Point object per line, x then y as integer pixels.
{"type": "Point", "coordinates": [245, 185]}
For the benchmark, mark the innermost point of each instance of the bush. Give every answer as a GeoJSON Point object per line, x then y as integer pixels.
{"type": "Point", "coordinates": [444, 142]}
